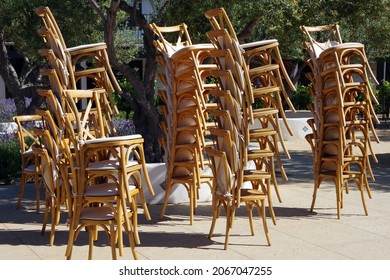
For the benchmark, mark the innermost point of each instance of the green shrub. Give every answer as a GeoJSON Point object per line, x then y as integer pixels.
{"type": "Point", "coordinates": [301, 98]}
{"type": "Point", "coordinates": [10, 159]}
{"type": "Point", "coordinates": [383, 96]}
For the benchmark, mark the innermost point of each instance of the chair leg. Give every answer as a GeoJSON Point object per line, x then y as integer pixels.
{"type": "Point", "coordinates": [113, 240]}
{"type": "Point", "coordinates": [144, 205]}
{"type": "Point", "coordinates": [249, 207]}
{"type": "Point", "coordinates": [91, 232]}
{"type": "Point", "coordinates": [267, 189]}
{"type": "Point", "coordinates": [229, 216]}
{"type": "Point", "coordinates": [54, 219]}
{"type": "Point", "coordinates": [265, 222]}
{"type": "Point", "coordinates": [37, 184]}
{"type": "Point", "coordinates": [316, 187]}
{"type": "Point", "coordinates": [119, 236]}
{"type": "Point", "coordinates": [361, 189]}
{"type": "Point", "coordinates": [338, 188]}
{"type": "Point", "coordinates": [216, 208]}
{"type": "Point", "coordinates": [69, 247]}
{"type": "Point", "coordinates": [166, 197]}
{"type": "Point", "coordinates": [23, 182]}
{"type": "Point", "coordinates": [191, 190]}
{"type": "Point", "coordinates": [45, 216]}
{"type": "Point", "coordinates": [135, 220]}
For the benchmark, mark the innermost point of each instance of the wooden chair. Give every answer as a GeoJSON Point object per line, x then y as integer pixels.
{"type": "Point", "coordinates": [109, 204]}
{"type": "Point", "coordinates": [83, 124]}
{"type": "Point", "coordinates": [49, 155]}
{"type": "Point", "coordinates": [183, 69]}
{"type": "Point", "coordinates": [321, 37]}
{"type": "Point", "coordinates": [227, 192]}
{"type": "Point", "coordinates": [97, 52]}
{"type": "Point", "coordinates": [30, 163]}
{"type": "Point", "coordinates": [257, 178]}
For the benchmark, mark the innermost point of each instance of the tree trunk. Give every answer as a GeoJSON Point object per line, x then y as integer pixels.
{"type": "Point", "coordinates": [10, 77]}
{"type": "Point", "coordinates": [146, 116]}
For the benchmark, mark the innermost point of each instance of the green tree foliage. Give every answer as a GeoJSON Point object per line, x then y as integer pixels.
{"type": "Point", "coordinates": [360, 20]}
{"type": "Point", "coordinates": [78, 23]}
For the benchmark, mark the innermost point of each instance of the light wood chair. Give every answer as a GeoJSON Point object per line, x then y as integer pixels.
{"type": "Point", "coordinates": [183, 69]}
{"type": "Point", "coordinates": [109, 204]}
{"type": "Point", "coordinates": [227, 192]}
{"type": "Point", "coordinates": [77, 54]}
{"type": "Point", "coordinates": [30, 162]}
{"type": "Point", "coordinates": [49, 155]}
{"type": "Point", "coordinates": [83, 125]}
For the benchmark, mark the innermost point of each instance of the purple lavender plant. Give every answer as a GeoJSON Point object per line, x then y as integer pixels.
{"type": "Point", "coordinates": [124, 126]}
{"type": "Point", "coordinates": [7, 110]}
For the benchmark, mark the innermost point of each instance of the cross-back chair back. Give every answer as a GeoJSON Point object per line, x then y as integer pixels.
{"type": "Point", "coordinates": [30, 162]}
{"type": "Point", "coordinates": [101, 75]}
{"type": "Point", "coordinates": [49, 155]}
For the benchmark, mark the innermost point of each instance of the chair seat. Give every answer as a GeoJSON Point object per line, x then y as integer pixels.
{"type": "Point", "coordinates": [102, 190]}
{"type": "Point", "coordinates": [250, 195]}
{"type": "Point", "coordinates": [30, 168]}
{"type": "Point", "coordinates": [97, 213]}
{"type": "Point", "coordinates": [109, 165]}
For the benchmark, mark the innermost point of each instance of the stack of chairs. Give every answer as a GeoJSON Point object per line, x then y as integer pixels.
{"type": "Point", "coordinates": [100, 73]}
{"type": "Point", "coordinates": [343, 113]}
{"type": "Point", "coordinates": [233, 183]}
{"type": "Point", "coordinates": [183, 71]}
{"type": "Point", "coordinates": [30, 162]}
{"type": "Point", "coordinates": [260, 144]}
{"type": "Point", "coordinates": [98, 173]}
{"type": "Point", "coordinates": [265, 71]}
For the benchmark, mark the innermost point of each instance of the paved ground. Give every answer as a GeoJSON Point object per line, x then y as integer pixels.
{"type": "Point", "coordinates": [298, 234]}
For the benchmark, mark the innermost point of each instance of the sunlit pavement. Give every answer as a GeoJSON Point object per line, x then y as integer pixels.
{"type": "Point", "coordinates": [298, 235]}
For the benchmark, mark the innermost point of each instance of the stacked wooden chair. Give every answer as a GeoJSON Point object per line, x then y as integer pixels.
{"type": "Point", "coordinates": [30, 162]}
{"type": "Point", "coordinates": [234, 183]}
{"type": "Point", "coordinates": [260, 144]}
{"type": "Point", "coordinates": [343, 113]}
{"type": "Point", "coordinates": [265, 70]}
{"type": "Point", "coordinates": [183, 71]}
{"type": "Point", "coordinates": [95, 54]}
{"type": "Point", "coordinates": [100, 172]}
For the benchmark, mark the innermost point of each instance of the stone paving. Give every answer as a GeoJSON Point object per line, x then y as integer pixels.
{"type": "Point", "coordinates": [298, 235]}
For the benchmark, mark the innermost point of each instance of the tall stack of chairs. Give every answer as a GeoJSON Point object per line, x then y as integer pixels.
{"type": "Point", "coordinates": [233, 183]}
{"type": "Point", "coordinates": [99, 172]}
{"type": "Point", "coordinates": [183, 71]}
{"type": "Point", "coordinates": [237, 94]}
{"type": "Point", "coordinates": [343, 113]}
{"type": "Point", "coordinates": [265, 71]}
{"type": "Point", "coordinates": [101, 74]}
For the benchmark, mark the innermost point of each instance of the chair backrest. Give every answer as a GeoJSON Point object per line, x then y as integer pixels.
{"type": "Point", "coordinates": [223, 142]}
{"type": "Point", "coordinates": [49, 156]}
{"type": "Point", "coordinates": [54, 106]}
{"type": "Point", "coordinates": [321, 37]}
{"type": "Point", "coordinates": [25, 133]}
{"type": "Point", "coordinates": [219, 20]}
{"type": "Point", "coordinates": [50, 22]}
{"type": "Point", "coordinates": [224, 178]}
{"type": "Point", "coordinates": [171, 38]}
{"type": "Point", "coordinates": [58, 58]}
{"type": "Point", "coordinates": [89, 123]}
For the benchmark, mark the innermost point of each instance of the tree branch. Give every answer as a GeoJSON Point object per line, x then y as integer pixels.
{"type": "Point", "coordinates": [248, 29]}
{"type": "Point", "coordinates": [99, 10]}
